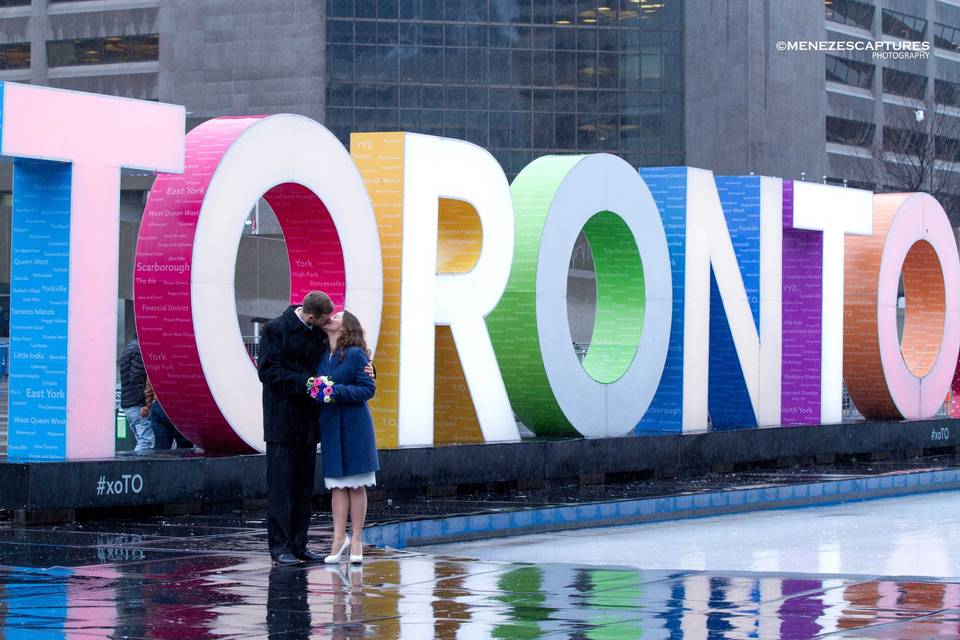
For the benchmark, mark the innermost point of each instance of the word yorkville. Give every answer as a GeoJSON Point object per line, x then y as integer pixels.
{"type": "Point", "coordinates": [747, 299]}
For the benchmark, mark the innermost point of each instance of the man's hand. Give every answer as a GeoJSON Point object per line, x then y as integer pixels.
{"type": "Point", "coordinates": [144, 412]}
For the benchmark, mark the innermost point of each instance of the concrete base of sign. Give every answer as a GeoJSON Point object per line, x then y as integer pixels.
{"type": "Point", "coordinates": [59, 491]}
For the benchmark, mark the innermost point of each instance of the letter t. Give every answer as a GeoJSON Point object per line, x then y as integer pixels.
{"type": "Point", "coordinates": [68, 149]}
{"type": "Point", "coordinates": [836, 211]}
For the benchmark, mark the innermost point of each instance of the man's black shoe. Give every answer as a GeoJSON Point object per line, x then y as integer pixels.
{"type": "Point", "coordinates": [286, 559]}
{"type": "Point", "coordinates": [310, 556]}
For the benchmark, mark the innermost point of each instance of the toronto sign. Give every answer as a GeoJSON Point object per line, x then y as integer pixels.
{"type": "Point", "coordinates": [728, 301]}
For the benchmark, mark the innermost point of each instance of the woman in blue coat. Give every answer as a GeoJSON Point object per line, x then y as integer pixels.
{"type": "Point", "coordinates": [348, 446]}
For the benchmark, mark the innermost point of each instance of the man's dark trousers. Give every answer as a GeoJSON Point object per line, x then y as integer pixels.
{"type": "Point", "coordinates": [290, 474]}
{"type": "Point", "coordinates": [289, 352]}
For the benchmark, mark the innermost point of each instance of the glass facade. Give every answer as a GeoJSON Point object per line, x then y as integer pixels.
{"type": "Point", "coordinates": [903, 25]}
{"type": "Point", "coordinates": [947, 149]}
{"type": "Point", "coordinates": [851, 72]}
{"type": "Point", "coordinates": [112, 49]}
{"type": "Point", "coordinates": [520, 78]}
{"type": "Point", "coordinates": [946, 29]}
{"type": "Point", "coordinates": [946, 37]}
{"type": "Point", "coordinates": [903, 83]}
{"type": "Point", "coordinates": [947, 93]}
{"type": "Point", "coordinates": [904, 142]}
{"type": "Point", "coordinates": [851, 132]}
{"type": "Point", "coordinates": [15, 55]}
{"type": "Point", "coordinates": [850, 12]}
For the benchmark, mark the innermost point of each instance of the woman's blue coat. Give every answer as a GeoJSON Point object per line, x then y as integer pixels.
{"type": "Point", "coordinates": [348, 445]}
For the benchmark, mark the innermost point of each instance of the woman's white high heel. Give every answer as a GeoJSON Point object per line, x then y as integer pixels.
{"type": "Point", "coordinates": [357, 558]}
{"type": "Point", "coordinates": [335, 558]}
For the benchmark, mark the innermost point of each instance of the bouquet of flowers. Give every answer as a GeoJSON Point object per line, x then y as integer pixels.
{"type": "Point", "coordinates": [320, 386]}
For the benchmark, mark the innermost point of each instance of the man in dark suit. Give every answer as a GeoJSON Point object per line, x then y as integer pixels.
{"type": "Point", "coordinates": [290, 347]}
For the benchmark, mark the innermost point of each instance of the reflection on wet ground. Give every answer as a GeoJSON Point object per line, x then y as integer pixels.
{"type": "Point", "coordinates": [210, 577]}
{"type": "Point", "coordinates": [914, 535]}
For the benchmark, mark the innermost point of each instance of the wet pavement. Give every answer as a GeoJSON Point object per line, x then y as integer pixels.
{"type": "Point", "coordinates": [914, 536]}
{"type": "Point", "coordinates": [802, 573]}
{"type": "Point", "coordinates": [210, 577]}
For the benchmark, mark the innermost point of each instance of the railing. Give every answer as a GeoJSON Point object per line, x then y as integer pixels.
{"type": "Point", "coordinates": [252, 345]}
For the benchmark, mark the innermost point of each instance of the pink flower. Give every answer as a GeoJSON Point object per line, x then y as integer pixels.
{"type": "Point", "coordinates": [328, 391]}
{"type": "Point", "coordinates": [314, 392]}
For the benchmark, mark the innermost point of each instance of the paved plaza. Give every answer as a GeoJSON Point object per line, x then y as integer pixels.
{"type": "Point", "coordinates": [210, 577]}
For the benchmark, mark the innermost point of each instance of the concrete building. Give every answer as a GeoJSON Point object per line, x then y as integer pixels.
{"type": "Point", "coordinates": [840, 116]}
{"type": "Point", "coordinates": [748, 107]}
{"type": "Point", "coordinates": [883, 108]}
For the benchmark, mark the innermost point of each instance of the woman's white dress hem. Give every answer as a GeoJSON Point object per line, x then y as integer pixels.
{"type": "Point", "coordinates": [352, 482]}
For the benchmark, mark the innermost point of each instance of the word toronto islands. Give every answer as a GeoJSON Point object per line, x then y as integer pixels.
{"type": "Point", "coordinates": [746, 298]}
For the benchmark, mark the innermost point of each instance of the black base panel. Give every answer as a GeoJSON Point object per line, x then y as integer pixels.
{"type": "Point", "coordinates": [193, 483]}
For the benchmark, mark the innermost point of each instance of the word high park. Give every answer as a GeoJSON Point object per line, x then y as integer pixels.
{"type": "Point", "coordinates": [747, 299]}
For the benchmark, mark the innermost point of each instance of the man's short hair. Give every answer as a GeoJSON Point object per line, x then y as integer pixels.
{"type": "Point", "coordinates": [317, 303]}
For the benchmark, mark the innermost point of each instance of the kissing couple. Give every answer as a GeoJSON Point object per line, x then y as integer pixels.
{"type": "Point", "coordinates": [317, 378]}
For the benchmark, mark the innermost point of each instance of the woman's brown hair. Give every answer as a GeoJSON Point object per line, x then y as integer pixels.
{"type": "Point", "coordinates": [351, 335]}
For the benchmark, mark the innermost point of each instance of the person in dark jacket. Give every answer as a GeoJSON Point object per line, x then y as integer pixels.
{"type": "Point", "coordinates": [133, 398]}
{"type": "Point", "coordinates": [348, 444]}
{"type": "Point", "coordinates": [290, 347]}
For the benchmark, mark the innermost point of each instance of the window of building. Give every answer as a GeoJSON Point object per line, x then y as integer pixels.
{"type": "Point", "coordinates": [851, 132]}
{"type": "Point", "coordinates": [851, 72]}
{"type": "Point", "coordinates": [850, 107]}
{"type": "Point", "coordinates": [946, 37]}
{"type": "Point", "coordinates": [850, 184]}
{"type": "Point", "coordinates": [947, 93]}
{"type": "Point", "coordinates": [947, 19]}
{"type": "Point", "coordinates": [112, 49]}
{"type": "Point", "coordinates": [851, 12]}
{"type": "Point", "coordinates": [950, 203]}
{"type": "Point", "coordinates": [903, 141]}
{"type": "Point", "coordinates": [903, 83]}
{"type": "Point", "coordinates": [902, 25]}
{"type": "Point", "coordinates": [521, 78]}
{"type": "Point", "coordinates": [14, 3]}
{"type": "Point", "coordinates": [15, 55]}
{"type": "Point", "coordinates": [947, 149]}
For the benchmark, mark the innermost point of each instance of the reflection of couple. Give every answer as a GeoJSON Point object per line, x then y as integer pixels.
{"type": "Point", "coordinates": [288, 603]}
{"type": "Point", "coordinates": [305, 342]}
